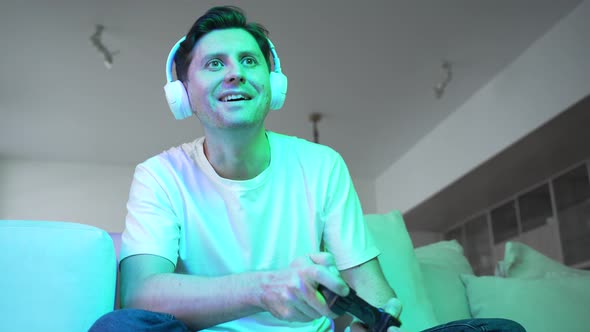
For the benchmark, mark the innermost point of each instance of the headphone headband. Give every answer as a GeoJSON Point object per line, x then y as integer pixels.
{"type": "Point", "coordinates": [170, 60]}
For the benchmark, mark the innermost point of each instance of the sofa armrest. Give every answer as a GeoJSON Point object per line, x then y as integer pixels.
{"type": "Point", "coordinates": [56, 276]}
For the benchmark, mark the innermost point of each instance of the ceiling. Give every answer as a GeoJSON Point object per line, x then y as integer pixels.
{"type": "Point", "coordinates": [368, 66]}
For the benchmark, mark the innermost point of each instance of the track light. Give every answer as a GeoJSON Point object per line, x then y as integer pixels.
{"type": "Point", "coordinates": [96, 40]}
{"type": "Point", "coordinates": [440, 88]}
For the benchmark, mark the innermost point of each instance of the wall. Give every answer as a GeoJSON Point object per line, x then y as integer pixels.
{"type": "Point", "coordinates": [422, 238]}
{"type": "Point", "coordinates": [84, 193]}
{"type": "Point", "coordinates": [547, 78]}
{"type": "Point", "coordinates": [366, 191]}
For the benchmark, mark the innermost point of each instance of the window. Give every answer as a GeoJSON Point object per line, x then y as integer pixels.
{"type": "Point", "coordinates": [571, 188]}
{"type": "Point", "coordinates": [477, 244]}
{"type": "Point", "coordinates": [572, 198]}
{"type": "Point", "coordinates": [504, 223]}
{"type": "Point", "coordinates": [565, 199]}
{"type": "Point", "coordinates": [535, 208]}
{"type": "Point", "coordinates": [456, 234]}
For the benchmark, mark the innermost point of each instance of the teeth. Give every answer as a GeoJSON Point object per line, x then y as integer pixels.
{"type": "Point", "coordinates": [233, 97]}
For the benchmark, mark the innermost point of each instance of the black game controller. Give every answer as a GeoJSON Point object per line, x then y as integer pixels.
{"type": "Point", "coordinates": [376, 319]}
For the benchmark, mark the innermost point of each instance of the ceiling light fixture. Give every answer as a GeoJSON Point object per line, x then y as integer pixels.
{"type": "Point", "coordinates": [440, 88]}
{"type": "Point", "coordinates": [96, 40]}
{"type": "Point", "coordinates": [315, 118]}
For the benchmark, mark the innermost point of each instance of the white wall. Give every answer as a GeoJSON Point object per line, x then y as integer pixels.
{"type": "Point", "coordinates": [547, 78]}
{"type": "Point", "coordinates": [89, 194]}
{"type": "Point", "coordinates": [85, 193]}
{"type": "Point", "coordinates": [366, 191]}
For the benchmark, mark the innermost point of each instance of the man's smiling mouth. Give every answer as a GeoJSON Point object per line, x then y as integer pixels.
{"type": "Point", "coordinates": [234, 97]}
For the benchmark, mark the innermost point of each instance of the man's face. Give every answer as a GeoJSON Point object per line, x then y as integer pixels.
{"type": "Point", "coordinates": [228, 81]}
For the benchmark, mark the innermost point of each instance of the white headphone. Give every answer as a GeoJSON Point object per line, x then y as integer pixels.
{"type": "Point", "coordinates": [178, 99]}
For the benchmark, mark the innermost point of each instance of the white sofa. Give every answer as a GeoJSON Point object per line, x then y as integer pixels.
{"type": "Point", "coordinates": [61, 276]}
{"type": "Point", "coordinates": [436, 283]}
{"type": "Point", "coordinates": [56, 276]}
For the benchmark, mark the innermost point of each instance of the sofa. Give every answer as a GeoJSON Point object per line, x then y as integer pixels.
{"type": "Point", "coordinates": [56, 276]}
{"type": "Point", "coordinates": [436, 284]}
{"type": "Point", "coordinates": [62, 276]}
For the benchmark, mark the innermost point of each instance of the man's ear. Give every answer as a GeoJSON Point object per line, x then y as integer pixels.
{"type": "Point", "coordinates": [188, 95]}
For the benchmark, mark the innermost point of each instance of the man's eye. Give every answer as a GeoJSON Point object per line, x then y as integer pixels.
{"type": "Point", "coordinates": [214, 64]}
{"type": "Point", "coordinates": [249, 61]}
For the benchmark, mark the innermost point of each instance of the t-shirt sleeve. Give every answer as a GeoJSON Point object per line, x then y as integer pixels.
{"type": "Point", "coordinates": [151, 225]}
{"type": "Point", "coordinates": [345, 233]}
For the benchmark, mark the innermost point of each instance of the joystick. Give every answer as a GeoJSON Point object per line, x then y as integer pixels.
{"type": "Point", "coordinates": [376, 319]}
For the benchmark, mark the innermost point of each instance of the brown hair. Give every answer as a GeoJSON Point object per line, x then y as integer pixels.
{"type": "Point", "coordinates": [218, 18]}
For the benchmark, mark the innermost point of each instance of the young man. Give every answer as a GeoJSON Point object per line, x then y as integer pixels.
{"type": "Point", "coordinates": [236, 230]}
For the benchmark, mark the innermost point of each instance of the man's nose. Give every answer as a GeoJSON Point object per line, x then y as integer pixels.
{"type": "Point", "coordinates": [235, 75]}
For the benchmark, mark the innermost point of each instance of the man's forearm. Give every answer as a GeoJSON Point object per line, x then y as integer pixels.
{"type": "Point", "coordinates": [200, 302]}
{"type": "Point", "coordinates": [369, 282]}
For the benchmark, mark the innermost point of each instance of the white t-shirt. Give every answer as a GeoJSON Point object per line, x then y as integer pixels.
{"type": "Point", "coordinates": [181, 209]}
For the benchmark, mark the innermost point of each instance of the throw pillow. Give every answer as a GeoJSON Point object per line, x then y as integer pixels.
{"type": "Point", "coordinates": [540, 305]}
{"type": "Point", "coordinates": [522, 261]}
{"type": "Point", "coordinates": [442, 264]}
{"type": "Point", "coordinates": [401, 269]}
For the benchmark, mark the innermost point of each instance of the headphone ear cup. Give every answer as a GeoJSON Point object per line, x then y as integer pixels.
{"type": "Point", "coordinates": [278, 90]}
{"type": "Point", "coordinates": [178, 100]}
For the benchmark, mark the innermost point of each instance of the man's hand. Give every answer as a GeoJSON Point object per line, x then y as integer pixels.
{"type": "Point", "coordinates": [392, 307]}
{"type": "Point", "coordinates": [291, 294]}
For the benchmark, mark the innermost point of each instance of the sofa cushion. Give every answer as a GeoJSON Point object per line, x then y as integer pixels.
{"type": "Point", "coordinates": [522, 261]}
{"type": "Point", "coordinates": [540, 305]}
{"type": "Point", "coordinates": [401, 269]}
{"type": "Point", "coordinates": [442, 264]}
{"type": "Point", "coordinates": [57, 276]}
{"type": "Point", "coordinates": [116, 237]}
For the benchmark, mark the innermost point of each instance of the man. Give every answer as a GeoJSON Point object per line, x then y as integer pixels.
{"type": "Point", "coordinates": [226, 233]}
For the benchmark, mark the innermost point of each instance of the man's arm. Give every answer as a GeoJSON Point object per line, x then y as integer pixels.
{"type": "Point", "coordinates": [149, 282]}
{"type": "Point", "coordinates": [368, 281]}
